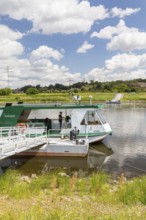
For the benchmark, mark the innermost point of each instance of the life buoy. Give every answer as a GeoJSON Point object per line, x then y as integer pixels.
{"type": "Point", "coordinates": [22, 126]}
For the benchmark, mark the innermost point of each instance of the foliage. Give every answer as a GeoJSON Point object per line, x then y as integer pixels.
{"type": "Point", "coordinates": [31, 91]}
{"type": "Point", "coordinates": [128, 86]}
{"type": "Point", "coordinates": [6, 91]}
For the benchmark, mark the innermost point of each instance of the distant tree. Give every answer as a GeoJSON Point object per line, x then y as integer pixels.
{"type": "Point", "coordinates": [84, 89]}
{"type": "Point", "coordinates": [77, 85]}
{"type": "Point", "coordinates": [32, 91]}
{"type": "Point", "coordinates": [138, 85]}
{"type": "Point", "coordinates": [38, 86]}
{"type": "Point", "coordinates": [60, 87]}
{"type": "Point", "coordinates": [76, 90]}
{"type": "Point", "coordinates": [25, 88]}
{"type": "Point", "coordinates": [98, 86]}
{"type": "Point", "coordinates": [107, 87]}
{"type": "Point", "coordinates": [5, 91]}
{"type": "Point", "coordinates": [50, 87]}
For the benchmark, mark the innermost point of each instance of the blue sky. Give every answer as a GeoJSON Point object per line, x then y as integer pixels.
{"type": "Point", "coordinates": [45, 42]}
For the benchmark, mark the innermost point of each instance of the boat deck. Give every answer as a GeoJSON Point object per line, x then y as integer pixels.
{"type": "Point", "coordinates": [25, 142]}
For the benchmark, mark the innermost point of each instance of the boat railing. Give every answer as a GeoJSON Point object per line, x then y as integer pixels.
{"type": "Point", "coordinates": [35, 131]}
{"type": "Point", "coordinates": [68, 133]}
{"type": "Point", "coordinates": [15, 140]}
{"type": "Point", "coordinates": [17, 133]}
{"type": "Point", "coordinates": [57, 133]}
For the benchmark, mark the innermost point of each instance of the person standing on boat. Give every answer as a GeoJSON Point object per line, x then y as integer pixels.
{"type": "Point", "coordinates": [60, 118]}
{"type": "Point", "coordinates": [67, 120]}
{"type": "Point", "coordinates": [48, 124]}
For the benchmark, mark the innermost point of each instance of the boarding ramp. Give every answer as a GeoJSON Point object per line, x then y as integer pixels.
{"type": "Point", "coordinates": [117, 97]}
{"type": "Point", "coordinates": [16, 139]}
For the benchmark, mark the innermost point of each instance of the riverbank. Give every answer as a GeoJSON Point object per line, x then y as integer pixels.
{"type": "Point", "coordinates": [65, 97]}
{"type": "Point", "coordinates": [63, 195]}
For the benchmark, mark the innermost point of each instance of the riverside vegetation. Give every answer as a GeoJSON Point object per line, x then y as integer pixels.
{"type": "Point", "coordinates": [63, 195]}
{"type": "Point", "coordinates": [65, 97]}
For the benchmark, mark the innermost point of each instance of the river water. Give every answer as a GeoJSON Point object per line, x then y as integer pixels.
{"type": "Point", "coordinates": [122, 152]}
{"type": "Point", "coordinates": [128, 141]}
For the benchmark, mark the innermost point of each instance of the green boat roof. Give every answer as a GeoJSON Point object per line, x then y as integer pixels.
{"type": "Point", "coordinates": [12, 112]}
{"type": "Point", "coordinates": [51, 106]}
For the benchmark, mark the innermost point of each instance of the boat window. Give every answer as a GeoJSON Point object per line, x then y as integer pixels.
{"type": "Point", "coordinates": [84, 122]}
{"type": "Point", "coordinates": [38, 125]}
{"type": "Point", "coordinates": [102, 118]}
{"type": "Point", "coordinates": [90, 118]}
{"type": "Point", "coordinates": [30, 125]}
{"type": "Point", "coordinates": [1, 111]}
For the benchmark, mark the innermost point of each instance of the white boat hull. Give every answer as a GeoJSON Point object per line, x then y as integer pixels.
{"type": "Point", "coordinates": [96, 138]}
{"type": "Point", "coordinates": [60, 148]}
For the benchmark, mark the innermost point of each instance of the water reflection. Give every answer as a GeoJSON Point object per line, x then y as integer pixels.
{"type": "Point", "coordinates": [128, 139]}
{"type": "Point", "coordinates": [94, 161]}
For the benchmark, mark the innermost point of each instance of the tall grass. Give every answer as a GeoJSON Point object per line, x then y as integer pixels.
{"type": "Point", "coordinates": [63, 195]}
{"type": "Point", "coordinates": [98, 183]}
{"type": "Point", "coordinates": [133, 191]}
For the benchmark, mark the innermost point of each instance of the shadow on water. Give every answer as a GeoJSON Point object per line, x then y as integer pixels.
{"type": "Point", "coordinates": [93, 161]}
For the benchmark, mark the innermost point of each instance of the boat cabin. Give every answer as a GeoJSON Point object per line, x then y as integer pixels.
{"type": "Point", "coordinates": [84, 119]}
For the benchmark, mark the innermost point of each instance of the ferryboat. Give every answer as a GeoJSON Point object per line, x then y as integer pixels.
{"type": "Point", "coordinates": [79, 121]}
{"type": "Point", "coordinates": [70, 136]}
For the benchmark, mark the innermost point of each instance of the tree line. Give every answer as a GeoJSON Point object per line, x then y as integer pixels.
{"type": "Point", "coordinates": [128, 86]}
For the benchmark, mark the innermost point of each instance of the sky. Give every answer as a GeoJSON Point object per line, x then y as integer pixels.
{"type": "Point", "coordinates": [44, 42]}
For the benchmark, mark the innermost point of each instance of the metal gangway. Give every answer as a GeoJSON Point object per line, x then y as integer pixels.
{"type": "Point", "coordinates": [14, 140]}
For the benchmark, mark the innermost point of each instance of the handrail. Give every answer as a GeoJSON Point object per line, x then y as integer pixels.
{"type": "Point", "coordinates": [14, 140]}
{"type": "Point", "coordinates": [16, 133]}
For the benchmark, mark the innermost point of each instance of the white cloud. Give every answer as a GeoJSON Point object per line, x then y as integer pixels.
{"type": "Point", "coordinates": [85, 46]}
{"type": "Point", "coordinates": [104, 75]}
{"type": "Point", "coordinates": [124, 62]}
{"type": "Point", "coordinates": [120, 67]}
{"type": "Point", "coordinates": [36, 69]}
{"type": "Point", "coordinates": [128, 41]}
{"type": "Point", "coordinates": [43, 72]}
{"type": "Point", "coordinates": [42, 66]}
{"type": "Point", "coordinates": [9, 46]}
{"type": "Point", "coordinates": [7, 33]}
{"type": "Point", "coordinates": [119, 12]}
{"type": "Point", "coordinates": [96, 74]}
{"type": "Point", "coordinates": [44, 52]}
{"type": "Point", "coordinates": [47, 16]}
{"type": "Point", "coordinates": [122, 37]}
{"type": "Point", "coordinates": [110, 31]}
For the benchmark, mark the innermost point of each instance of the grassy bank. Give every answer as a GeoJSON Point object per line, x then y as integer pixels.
{"type": "Point", "coordinates": [53, 97]}
{"type": "Point", "coordinates": [61, 195]}
{"type": "Point", "coordinates": [65, 97]}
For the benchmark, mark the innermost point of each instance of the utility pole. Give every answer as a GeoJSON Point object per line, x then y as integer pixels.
{"type": "Point", "coordinates": [70, 80]}
{"type": "Point", "coordinates": [8, 69]}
